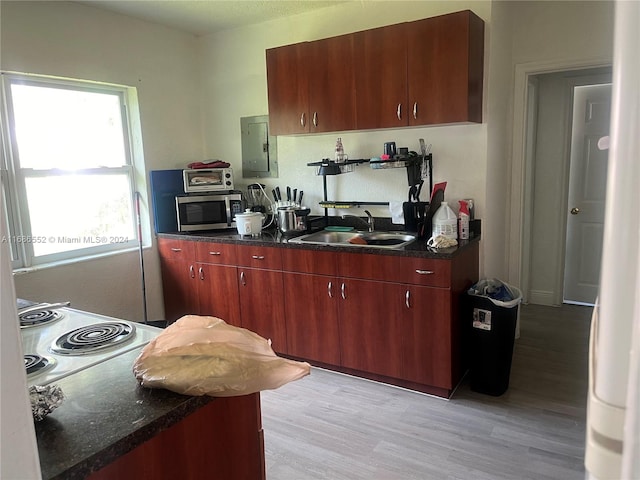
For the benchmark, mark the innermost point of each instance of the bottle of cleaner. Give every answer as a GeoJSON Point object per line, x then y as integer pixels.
{"type": "Point", "coordinates": [339, 151]}
{"type": "Point", "coordinates": [463, 220]}
{"type": "Point", "coordinates": [445, 222]}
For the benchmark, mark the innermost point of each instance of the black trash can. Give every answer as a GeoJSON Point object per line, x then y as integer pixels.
{"type": "Point", "coordinates": [491, 337]}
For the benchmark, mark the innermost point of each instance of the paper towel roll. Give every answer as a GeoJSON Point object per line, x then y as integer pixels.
{"type": "Point", "coordinates": [397, 215]}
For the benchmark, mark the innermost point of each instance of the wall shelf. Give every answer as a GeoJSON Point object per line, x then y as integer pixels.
{"type": "Point", "coordinates": [327, 167]}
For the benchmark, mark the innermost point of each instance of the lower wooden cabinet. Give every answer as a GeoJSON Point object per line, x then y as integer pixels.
{"type": "Point", "coordinates": [221, 441]}
{"type": "Point", "coordinates": [426, 336]}
{"type": "Point", "coordinates": [261, 297]}
{"type": "Point", "coordinates": [311, 313]}
{"type": "Point", "coordinates": [218, 292]}
{"type": "Point", "coordinates": [179, 281]}
{"type": "Point", "coordinates": [389, 318]}
{"type": "Point", "coordinates": [371, 327]}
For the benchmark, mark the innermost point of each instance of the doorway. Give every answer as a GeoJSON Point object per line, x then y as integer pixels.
{"type": "Point", "coordinates": [552, 250]}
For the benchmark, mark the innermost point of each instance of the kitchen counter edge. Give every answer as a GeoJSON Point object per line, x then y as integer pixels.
{"type": "Point", "coordinates": [416, 249]}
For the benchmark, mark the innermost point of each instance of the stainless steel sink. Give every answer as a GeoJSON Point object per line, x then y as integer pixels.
{"type": "Point", "coordinates": [390, 240]}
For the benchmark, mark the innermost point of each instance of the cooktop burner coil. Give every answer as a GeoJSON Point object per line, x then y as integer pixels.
{"type": "Point", "coordinates": [40, 317]}
{"type": "Point", "coordinates": [35, 363]}
{"type": "Point", "coordinates": [93, 338]}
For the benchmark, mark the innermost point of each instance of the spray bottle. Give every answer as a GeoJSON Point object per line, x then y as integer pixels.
{"type": "Point", "coordinates": [463, 220]}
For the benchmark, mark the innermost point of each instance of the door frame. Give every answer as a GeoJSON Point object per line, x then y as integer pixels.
{"type": "Point", "coordinates": [521, 191]}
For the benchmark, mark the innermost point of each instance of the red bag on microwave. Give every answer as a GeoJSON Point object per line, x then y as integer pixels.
{"type": "Point", "coordinates": [200, 355]}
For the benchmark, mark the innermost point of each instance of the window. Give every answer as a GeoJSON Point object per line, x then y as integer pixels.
{"type": "Point", "coordinates": [68, 175]}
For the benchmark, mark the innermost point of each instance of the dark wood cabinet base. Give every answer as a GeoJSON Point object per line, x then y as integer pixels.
{"type": "Point", "coordinates": [223, 440]}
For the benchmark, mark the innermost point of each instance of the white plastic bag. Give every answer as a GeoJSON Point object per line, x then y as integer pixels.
{"type": "Point", "coordinates": [200, 355]}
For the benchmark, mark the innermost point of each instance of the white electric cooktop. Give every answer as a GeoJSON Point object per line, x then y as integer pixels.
{"type": "Point", "coordinates": [62, 341]}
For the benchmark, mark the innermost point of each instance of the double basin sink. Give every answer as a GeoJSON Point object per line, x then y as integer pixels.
{"type": "Point", "coordinates": [388, 240]}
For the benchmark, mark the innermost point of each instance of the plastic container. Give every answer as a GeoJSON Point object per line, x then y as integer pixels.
{"type": "Point", "coordinates": [445, 222]}
{"type": "Point", "coordinates": [463, 220]}
{"type": "Point", "coordinates": [492, 333]}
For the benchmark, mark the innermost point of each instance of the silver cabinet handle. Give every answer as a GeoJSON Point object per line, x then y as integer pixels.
{"type": "Point", "coordinates": [399, 111]}
{"type": "Point", "coordinates": [415, 110]}
{"type": "Point", "coordinates": [302, 120]}
{"type": "Point", "coordinates": [242, 279]}
{"type": "Point", "coordinates": [343, 291]}
{"type": "Point", "coordinates": [425, 272]}
{"type": "Point", "coordinates": [406, 299]}
{"type": "Point", "coordinates": [174, 249]}
{"type": "Point", "coordinates": [257, 257]}
{"type": "Point", "coordinates": [192, 271]}
{"type": "Point", "coordinates": [315, 119]}
{"type": "Point", "coordinates": [330, 289]}
{"type": "Point", "coordinates": [201, 273]}
{"type": "Point", "coordinates": [215, 253]}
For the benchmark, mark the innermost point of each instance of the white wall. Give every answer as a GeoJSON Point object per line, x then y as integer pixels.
{"type": "Point", "coordinates": [77, 41]}
{"type": "Point", "coordinates": [498, 166]}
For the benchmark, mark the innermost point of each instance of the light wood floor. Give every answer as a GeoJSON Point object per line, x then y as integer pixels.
{"type": "Point", "coordinates": [333, 426]}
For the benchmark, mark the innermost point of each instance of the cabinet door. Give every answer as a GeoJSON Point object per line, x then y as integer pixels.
{"type": "Point", "coordinates": [311, 317]}
{"type": "Point", "coordinates": [381, 77]}
{"type": "Point", "coordinates": [445, 64]}
{"type": "Point", "coordinates": [331, 84]}
{"type": "Point", "coordinates": [288, 91]}
{"type": "Point", "coordinates": [370, 326]}
{"type": "Point", "coordinates": [178, 278]}
{"type": "Point", "coordinates": [218, 292]}
{"type": "Point", "coordinates": [261, 307]}
{"type": "Point", "coordinates": [426, 327]}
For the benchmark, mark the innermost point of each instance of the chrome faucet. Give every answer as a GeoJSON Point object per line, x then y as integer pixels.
{"type": "Point", "coordinates": [369, 221]}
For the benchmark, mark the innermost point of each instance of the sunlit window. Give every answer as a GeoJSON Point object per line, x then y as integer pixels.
{"type": "Point", "coordinates": [69, 170]}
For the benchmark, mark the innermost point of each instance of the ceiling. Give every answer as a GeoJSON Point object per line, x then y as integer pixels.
{"type": "Point", "coordinates": [201, 17]}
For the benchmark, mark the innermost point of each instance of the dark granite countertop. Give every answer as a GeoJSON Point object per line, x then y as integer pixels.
{"type": "Point", "coordinates": [273, 237]}
{"type": "Point", "coordinates": [105, 414]}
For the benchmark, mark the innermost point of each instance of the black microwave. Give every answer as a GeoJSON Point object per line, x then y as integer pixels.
{"type": "Point", "coordinates": [207, 212]}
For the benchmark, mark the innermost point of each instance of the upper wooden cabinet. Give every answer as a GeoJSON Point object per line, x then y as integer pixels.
{"type": "Point", "coordinates": [416, 73]}
{"type": "Point", "coordinates": [445, 58]}
{"type": "Point", "coordinates": [311, 86]}
{"type": "Point", "coordinates": [331, 84]}
{"type": "Point", "coordinates": [288, 90]}
{"type": "Point", "coordinates": [381, 77]}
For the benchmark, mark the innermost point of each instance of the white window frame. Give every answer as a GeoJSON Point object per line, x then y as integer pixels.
{"type": "Point", "coordinates": [13, 177]}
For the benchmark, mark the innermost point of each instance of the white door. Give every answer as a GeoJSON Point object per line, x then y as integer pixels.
{"type": "Point", "coordinates": [587, 188]}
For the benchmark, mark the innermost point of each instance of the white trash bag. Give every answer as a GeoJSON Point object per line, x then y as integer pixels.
{"type": "Point", "coordinates": [198, 355]}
